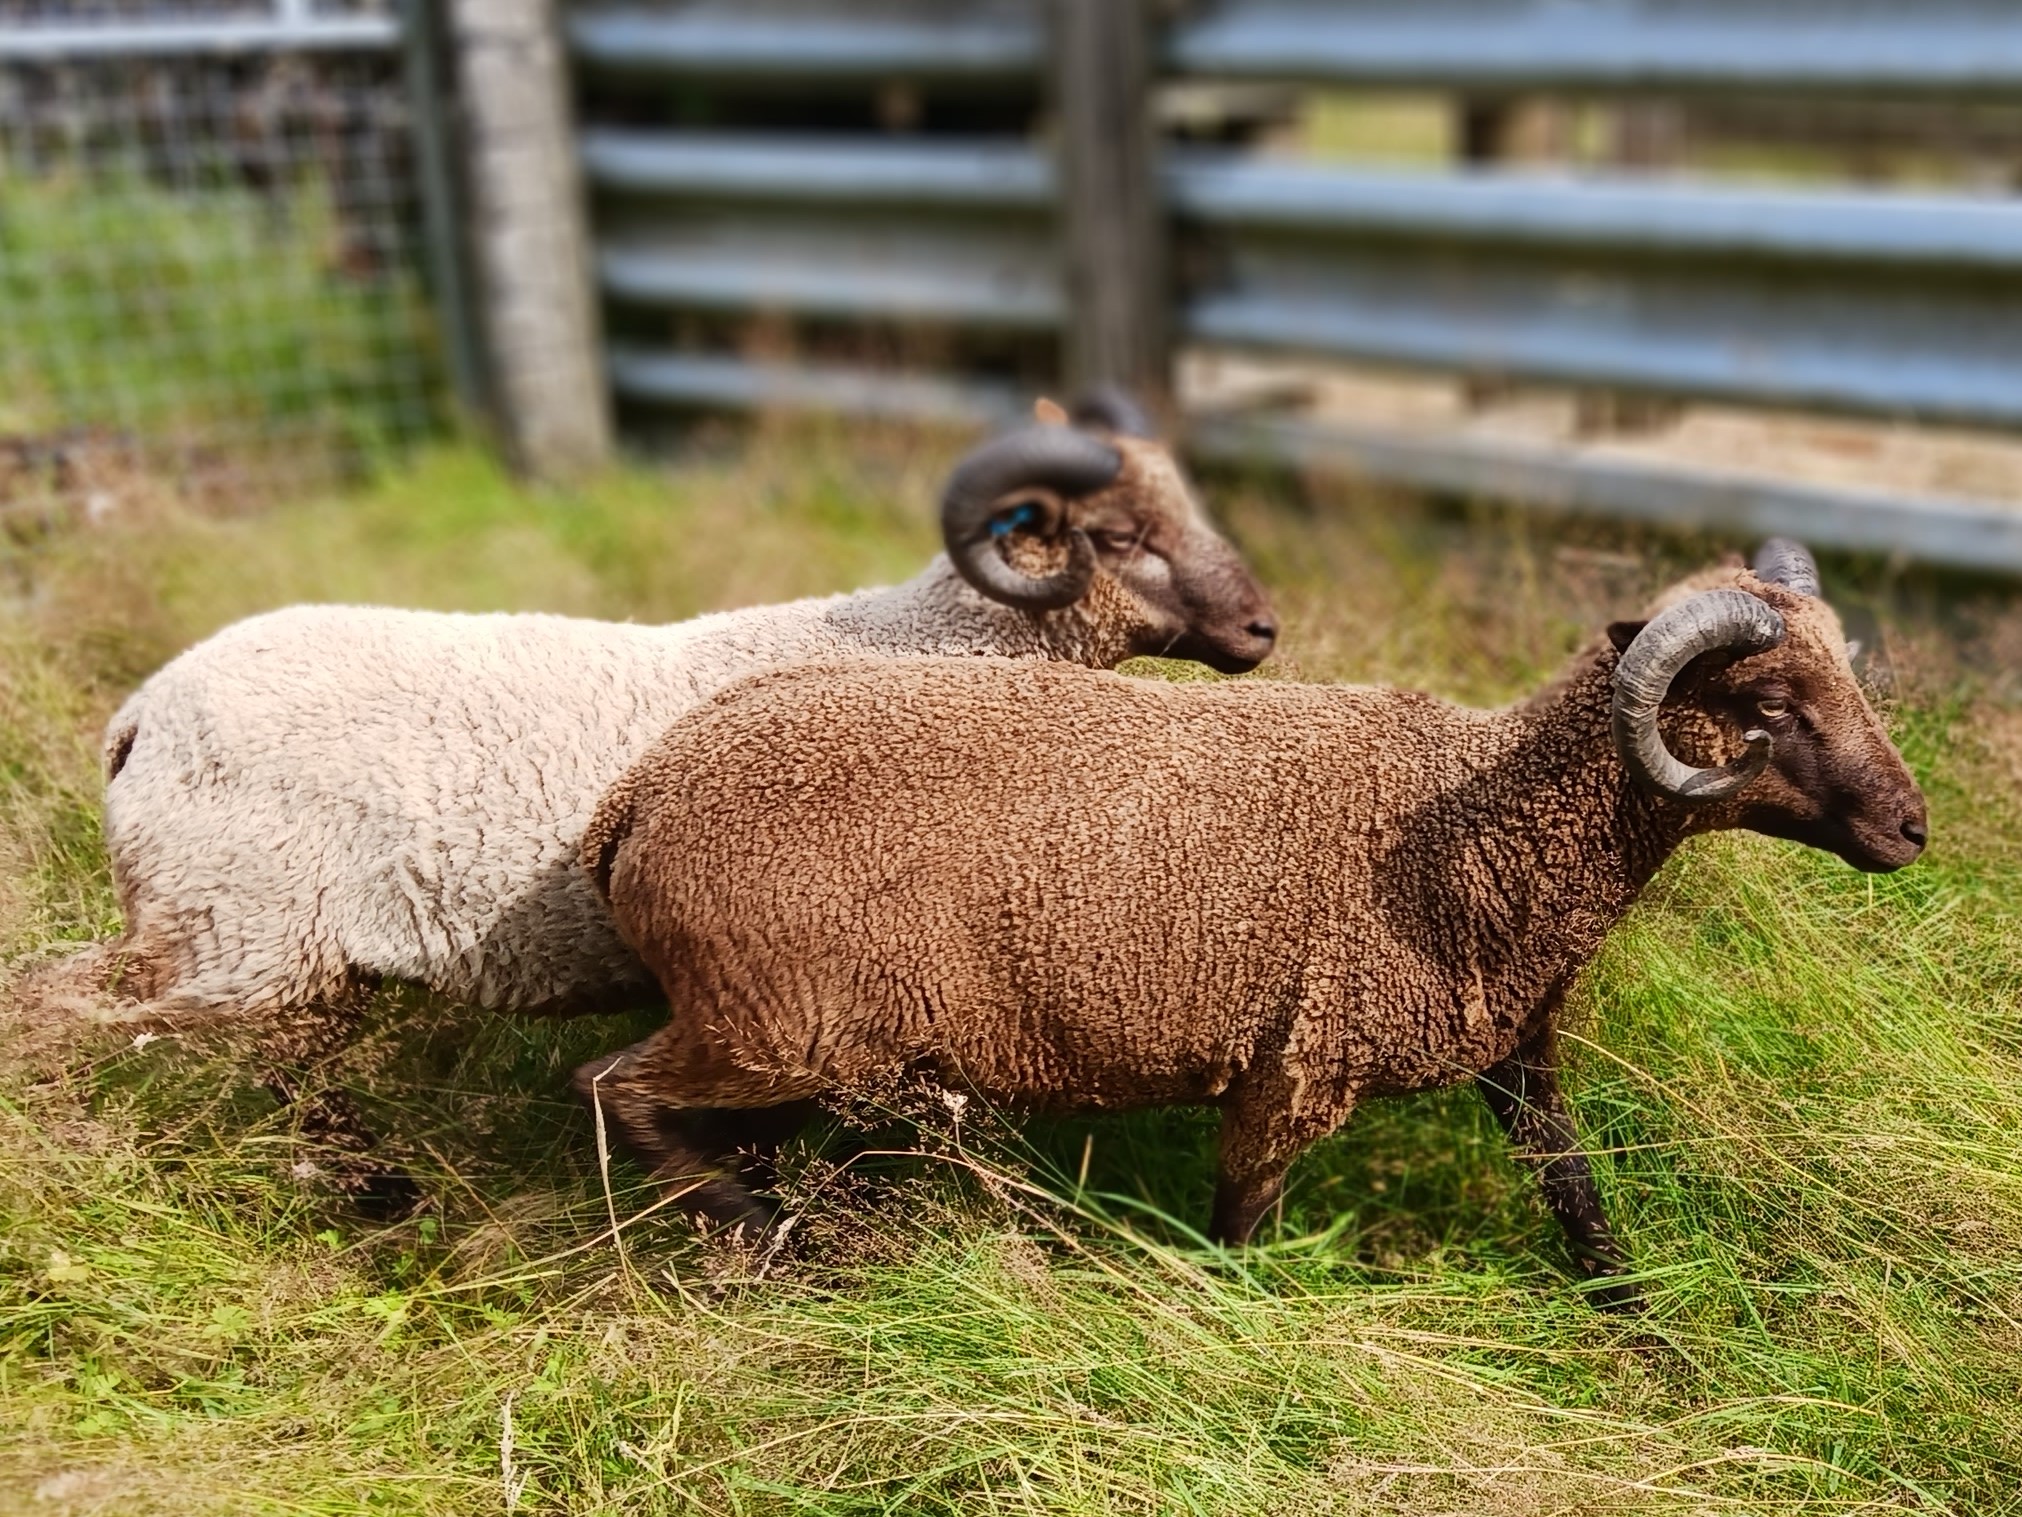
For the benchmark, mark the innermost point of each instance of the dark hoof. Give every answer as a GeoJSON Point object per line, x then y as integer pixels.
{"type": "Point", "coordinates": [385, 1195]}
{"type": "Point", "coordinates": [1612, 1294]}
{"type": "Point", "coordinates": [721, 1205]}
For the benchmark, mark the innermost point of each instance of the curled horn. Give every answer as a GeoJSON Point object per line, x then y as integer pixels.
{"type": "Point", "coordinates": [1731, 621]}
{"type": "Point", "coordinates": [1780, 561]}
{"type": "Point", "coordinates": [1053, 464]}
{"type": "Point", "coordinates": [1111, 406]}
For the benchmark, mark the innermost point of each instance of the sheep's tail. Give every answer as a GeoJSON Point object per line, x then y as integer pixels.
{"type": "Point", "coordinates": [120, 735]}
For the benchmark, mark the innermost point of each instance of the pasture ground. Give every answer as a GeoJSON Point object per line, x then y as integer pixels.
{"type": "Point", "coordinates": [1807, 1082]}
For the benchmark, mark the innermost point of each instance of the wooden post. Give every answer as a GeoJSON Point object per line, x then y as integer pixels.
{"type": "Point", "coordinates": [1112, 216]}
{"type": "Point", "coordinates": [537, 300]}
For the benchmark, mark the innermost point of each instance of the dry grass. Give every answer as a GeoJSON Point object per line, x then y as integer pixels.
{"type": "Point", "coordinates": [1806, 1082]}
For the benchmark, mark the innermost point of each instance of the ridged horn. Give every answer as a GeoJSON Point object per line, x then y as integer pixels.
{"type": "Point", "coordinates": [1783, 561]}
{"type": "Point", "coordinates": [1732, 621]}
{"type": "Point", "coordinates": [1112, 407]}
{"type": "Point", "coordinates": [980, 505]}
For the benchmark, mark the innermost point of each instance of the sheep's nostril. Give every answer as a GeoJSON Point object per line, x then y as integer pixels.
{"type": "Point", "coordinates": [1268, 631]}
{"type": "Point", "coordinates": [1916, 832]}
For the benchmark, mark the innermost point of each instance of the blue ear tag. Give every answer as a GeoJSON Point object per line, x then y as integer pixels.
{"type": "Point", "coordinates": [1011, 521]}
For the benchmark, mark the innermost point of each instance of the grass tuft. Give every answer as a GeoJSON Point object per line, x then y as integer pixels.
{"type": "Point", "coordinates": [1804, 1082]}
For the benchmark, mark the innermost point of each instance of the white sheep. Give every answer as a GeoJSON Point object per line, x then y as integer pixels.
{"type": "Point", "coordinates": [322, 796]}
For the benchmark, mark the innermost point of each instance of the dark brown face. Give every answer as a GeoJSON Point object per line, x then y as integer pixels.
{"type": "Point", "coordinates": [1197, 596]}
{"type": "Point", "coordinates": [1834, 780]}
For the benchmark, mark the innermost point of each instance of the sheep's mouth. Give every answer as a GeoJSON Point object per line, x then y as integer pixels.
{"type": "Point", "coordinates": [1870, 848]}
{"type": "Point", "coordinates": [1225, 653]}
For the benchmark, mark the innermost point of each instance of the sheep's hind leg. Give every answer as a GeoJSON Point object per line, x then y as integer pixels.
{"type": "Point", "coordinates": [1261, 1135]}
{"type": "Point", "coordinates": [682, 1106]}
{"type": "Point", "coordinates": [1523, 1092]}
{"type": "Point", "coordinates": [290, 1055]}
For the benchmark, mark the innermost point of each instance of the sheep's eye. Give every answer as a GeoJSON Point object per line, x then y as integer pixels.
{"type": "Point", "coordinates": [1115, 542]}
{"type": "Point", "coordinates": [1773, 709]}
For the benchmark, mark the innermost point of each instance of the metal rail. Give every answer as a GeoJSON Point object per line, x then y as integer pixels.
{"type": "Point", "coordinates": [819, 170]}
{"type": "Point", "coordinates": [1545, 211]}
{"type": "Point", "coordinates": [708, 381]}
{"type": "Point", "coordinates": [910, 284]}
{"type": "Point", "coordinates": [1884, 304]}
{"type": "Point", "coordinates": [1963, 533]}
{"type": "Point", "coordinates": [40, 43]}
{"type": "Point", "coordinates": [721, 42]}
{"type": "Point", "coordinates": [1951, 47]}
{"type": "Point", "coordinates": [1534, 209]}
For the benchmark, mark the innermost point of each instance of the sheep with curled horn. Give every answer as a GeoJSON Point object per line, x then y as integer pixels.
{"type": "Point", "coordinates": [1068, 889]}
{"type": "Point", "coordinates": [323, 796]}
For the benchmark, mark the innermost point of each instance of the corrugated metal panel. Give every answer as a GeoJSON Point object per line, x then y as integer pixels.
{"type": "Point", "coordinates": [1949, 46]}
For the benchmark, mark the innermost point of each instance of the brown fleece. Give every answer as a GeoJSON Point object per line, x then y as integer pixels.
{"type": "Point", "coordinates": [1071, 889]}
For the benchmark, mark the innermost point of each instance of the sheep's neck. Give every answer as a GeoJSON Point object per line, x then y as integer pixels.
{"type": "Point", "coordinates": [1553, 840]}
{"type": "Point", "coordinates": [936, 612]}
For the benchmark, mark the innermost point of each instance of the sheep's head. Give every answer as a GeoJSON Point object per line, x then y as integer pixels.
{"type": "Point", "coordinates": [1752, 682]}
{"type": "Point", "coordinates": [1090, 509]}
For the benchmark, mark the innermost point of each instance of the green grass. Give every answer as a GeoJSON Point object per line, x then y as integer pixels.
{"type": "Point", "coordinates": [203, 320]}
{"type": "Point", "coordinates": [1809, 1084]}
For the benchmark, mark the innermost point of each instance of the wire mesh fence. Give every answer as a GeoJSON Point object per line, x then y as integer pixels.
{"type": "Point", "coordinates": [209, 264]}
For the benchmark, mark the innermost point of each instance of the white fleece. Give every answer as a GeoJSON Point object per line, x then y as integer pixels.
{"type": "Point", "coordinates": [326, 792]}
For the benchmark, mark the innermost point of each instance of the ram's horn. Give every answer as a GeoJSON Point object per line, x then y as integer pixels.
{"type": "Point", "coordinates": [1781, 561]}
{"type": "Point", "coordinates": [1731, 621]}
{"type": "Point", "coordinates": [1017, 481]}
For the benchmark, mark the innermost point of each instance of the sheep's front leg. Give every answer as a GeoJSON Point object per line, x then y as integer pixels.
{"type": "Point", "coordinates": [682, 1105]}
{"type": "Point", "coordinates": [1523, 1092]}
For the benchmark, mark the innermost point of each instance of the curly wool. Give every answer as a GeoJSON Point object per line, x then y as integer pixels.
{"type": "Point", "coordinates": [1063, 888]}
{"type": "Point", "coordinates": [329, 792]}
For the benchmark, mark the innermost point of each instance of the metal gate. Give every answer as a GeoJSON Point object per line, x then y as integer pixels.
{"type": "Point", "coordinates": [922, 206]}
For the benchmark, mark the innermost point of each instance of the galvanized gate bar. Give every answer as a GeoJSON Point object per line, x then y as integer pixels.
{"type": "Point", "coordinates": [36, 42]}
{"type": "Point", "coordinates": [1541, 210]}
{"type": "Point", "coordinates": [1955, 47]}
{"type": "Point", "coordinates": [916, 285]}
{"type": "Point", "coordinates": [1963, 533]}
{"type": "Point", "coordinates": [747, 41]}
{"type": "Point", "coordinates": [1229, 189]}
{"type": "Point", "coordinates": [1942, 350]}
{"type": "Point", "coordinates": [1008, 175]}
{"type": "Point", "coordinates": [687, 379]}
{"type": "Point", "coordinates": [1877, 303]}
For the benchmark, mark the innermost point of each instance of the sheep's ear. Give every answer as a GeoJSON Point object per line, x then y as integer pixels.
{"type": "Point", "coordinates": [1048, 412]}
{"type": "Point", "coordinates": [1621, 634]}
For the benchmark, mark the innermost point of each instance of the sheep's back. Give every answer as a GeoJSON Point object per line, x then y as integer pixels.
{"type": "Point", "coordinates": [402, 791]}
{"type": "Point", "coordinates": [1051, 877]}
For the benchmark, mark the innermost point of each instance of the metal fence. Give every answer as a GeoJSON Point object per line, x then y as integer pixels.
{"type": "Point", "coordinates": [210, 247]}
{"type": "Point", "coordinates": [893, 169]}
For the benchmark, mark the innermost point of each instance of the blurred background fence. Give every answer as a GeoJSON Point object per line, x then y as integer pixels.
{"type": "Point", "coordinates": [1755, 263]}
{"type": "Point", "coordinates": [211, 247]}
{"type": "Point", "coordinates": [1607, 207]}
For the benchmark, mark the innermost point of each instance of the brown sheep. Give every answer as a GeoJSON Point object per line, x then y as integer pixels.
{"type": "Point", "coordinates": [1070, 889]}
